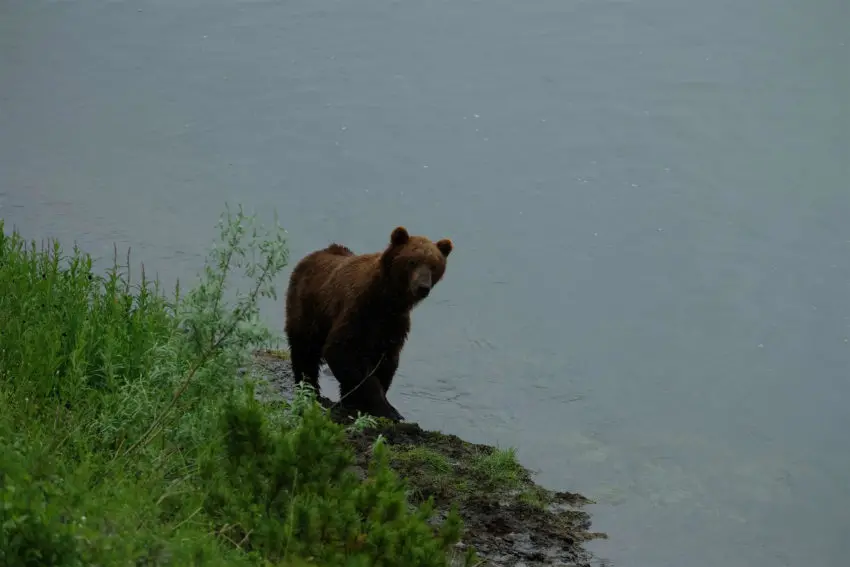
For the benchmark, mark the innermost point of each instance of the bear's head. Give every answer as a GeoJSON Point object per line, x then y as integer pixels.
{"type": "Point", "coordinates": [414, 264]}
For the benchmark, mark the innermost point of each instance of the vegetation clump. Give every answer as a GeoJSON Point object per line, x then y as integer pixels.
{"type": "Point", "coordinates": [508, 519]}
{"type": "Point", "coordinates": [124, 438]}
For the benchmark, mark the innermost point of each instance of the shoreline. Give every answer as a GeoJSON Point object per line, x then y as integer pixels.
{"type": "Point", "coordinates": [121, 389]}
{"type": "Point", "coordinates": [508, 519]}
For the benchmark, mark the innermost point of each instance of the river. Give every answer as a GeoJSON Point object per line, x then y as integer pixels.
{"type": "Point", "coordinates": [650, 290]}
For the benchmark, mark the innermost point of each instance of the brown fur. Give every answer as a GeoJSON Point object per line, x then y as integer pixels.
{"type": "Point", "coordinates": [353, 312]}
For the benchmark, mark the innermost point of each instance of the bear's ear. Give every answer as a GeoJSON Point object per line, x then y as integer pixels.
{"type": "Point", "coordinates": [399, 236]}
{"type": "Point", "coordinates": [445, 245]}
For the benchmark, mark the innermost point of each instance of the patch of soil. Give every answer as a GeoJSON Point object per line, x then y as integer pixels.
{"type": "Point", "coordinates": [508, 519]}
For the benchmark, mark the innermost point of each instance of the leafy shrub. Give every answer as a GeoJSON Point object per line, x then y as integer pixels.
{"type": "Point", "coordinates": [293, 491]}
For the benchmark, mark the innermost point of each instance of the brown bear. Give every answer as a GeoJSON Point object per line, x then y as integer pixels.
{"type": "Point", "coordinates": [353, 311]}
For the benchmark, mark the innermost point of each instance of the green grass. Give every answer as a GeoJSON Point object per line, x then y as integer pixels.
{"type": "Point", "coordinates": [499, 469]}
{"type": "Point", "coordinates": [431, 461]}
{"type": "Point", "coordinates": [124, 439]}
{"type": "Point", "coordinates": [431, 473]}
{"type": "Point", "coordinates": [451, 470]}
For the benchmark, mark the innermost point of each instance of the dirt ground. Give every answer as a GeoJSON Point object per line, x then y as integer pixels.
{"type": "Point", "coordinates": [508, 519]}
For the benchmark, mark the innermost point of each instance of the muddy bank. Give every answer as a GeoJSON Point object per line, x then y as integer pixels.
{"type": "Point", "coordinates": [508, 519]}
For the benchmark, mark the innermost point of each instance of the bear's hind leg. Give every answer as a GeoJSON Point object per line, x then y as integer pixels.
{"type": "Point", "coordinates": [305, 359]}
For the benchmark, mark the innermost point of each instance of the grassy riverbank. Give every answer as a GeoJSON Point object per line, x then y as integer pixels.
{"type": "Point", "coordinates": [125, 439]}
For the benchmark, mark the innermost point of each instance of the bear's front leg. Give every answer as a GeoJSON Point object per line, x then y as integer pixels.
{"type": "Point", "coordinates": [387, 368]}
{"type": "Point", "coordinates": [369, 398]}
{"type": "Point", "coordinates": [359, 387]}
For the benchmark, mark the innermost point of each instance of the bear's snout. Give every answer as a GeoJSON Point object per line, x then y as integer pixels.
{"type": "Point", "coordinates": [421, 284]}
{"type": "Point", "coordinates": [422, 290]}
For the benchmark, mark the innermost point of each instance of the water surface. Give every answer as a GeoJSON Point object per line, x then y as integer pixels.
{"type": "Point", "coordinates": [649, 203]}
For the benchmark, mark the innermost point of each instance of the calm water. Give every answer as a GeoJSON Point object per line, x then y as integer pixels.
{"type": "Point", "coordinates": [650, 292]}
